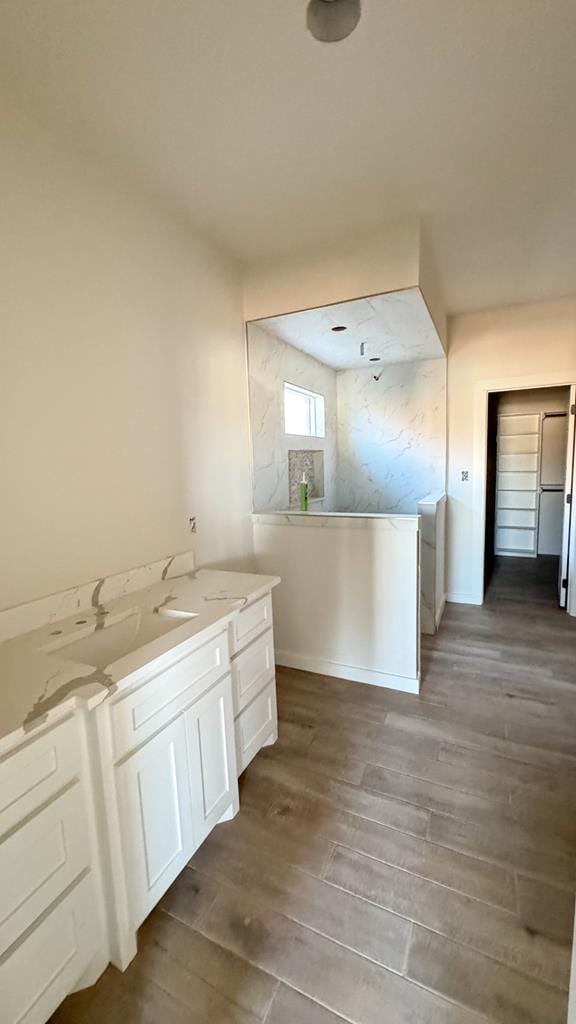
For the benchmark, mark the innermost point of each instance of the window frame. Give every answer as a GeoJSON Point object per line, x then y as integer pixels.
{"type": "Point", "coordinates": [316, 410]}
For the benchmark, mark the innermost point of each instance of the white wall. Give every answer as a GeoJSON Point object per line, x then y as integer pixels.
{"type": "Point", "coordinates": [536, 400]}
{"type": "Point", "coordinates": [349, 268]}
{"type": "Point", "coordinates": [535, 342]}
{"type": "Point", "coordinates": [270, 363]}
{"type": "Point", "coordinates": [123, 404]}
{"type": "Point", "coordinates": [348, 602]}
{"type": "Point", "coordinates": [391, 436]}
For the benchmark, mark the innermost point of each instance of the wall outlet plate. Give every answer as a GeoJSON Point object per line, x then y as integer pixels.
{"type": "Point", "coordinates": [464, 475]}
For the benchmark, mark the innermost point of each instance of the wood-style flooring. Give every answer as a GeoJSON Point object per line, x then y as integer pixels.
{"type": "Point", "coordinates": [396, 859]}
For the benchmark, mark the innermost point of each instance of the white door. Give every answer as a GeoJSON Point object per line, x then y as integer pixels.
{"type": "Point", "coordinates": [212, 754]}
{"type": "Point", "coordinates": [568, 540]}
{"type": "Point", "coordinates": [156, 816]}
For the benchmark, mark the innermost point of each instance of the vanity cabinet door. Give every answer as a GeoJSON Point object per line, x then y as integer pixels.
{"type": "Point", "coordinates": [210, 731]}
{"type": "Point", "coordinates": [156, 817]}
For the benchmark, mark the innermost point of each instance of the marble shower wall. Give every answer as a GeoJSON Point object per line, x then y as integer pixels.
{"type": "Point", "coordinates": [391, 437]}
{"type": "Point", "coordinates": [270, 363]}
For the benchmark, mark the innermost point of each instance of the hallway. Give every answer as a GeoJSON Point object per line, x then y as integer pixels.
{"type": "Point", "coordinates": [528, 581]}
{"type": "Point", "coordinates": [397, 859]}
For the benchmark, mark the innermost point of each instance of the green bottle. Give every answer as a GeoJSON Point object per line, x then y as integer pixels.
{"type": "Point", "coordinates": [303, 494]}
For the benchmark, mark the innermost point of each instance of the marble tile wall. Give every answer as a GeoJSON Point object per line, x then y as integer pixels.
{"type": "Point", "coordinates": [391, 437]}
{"type": "Point", "coordinates": [270, 363]}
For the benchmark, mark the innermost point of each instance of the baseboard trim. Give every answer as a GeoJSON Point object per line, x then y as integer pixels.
{"type": "Point", "coordinates": [453, 597]}
{"type": "Point", "coordinates": [323, 667]}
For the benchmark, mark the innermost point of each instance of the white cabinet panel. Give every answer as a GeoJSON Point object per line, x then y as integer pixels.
{"type": "Point", "coordinates": [250, 623]}
{"type": "Point", "coordinates": [508, 539]}
{"type": "Point", "coordinates": [551, 521]}
{"type": "Point", "coordinates": [210, 732]}
{"type": "Point", "coordinates": [252, 669]}
{"type": "Point", "coordinates": [40, 972]}
{"type": "Point", "coordinates": [516, 443]}
{"type": "Point", "coordinates": [516, 517]}
{"type": "Point", "coordinates": [36, 771]}
{"type": "Point", "coordinates": [156, 817]}
{"type": "Point", "coordinates": [516, 481]}
{"type": "Point", "coordinates": [39, 861]}
{"type": "Point", "coordinates": [255, 725]}
{"type": "Point", "coordinates": [517, 499]}
{"type": "Point", "coordinates": [519, 424]}
{"type": "Point", "coordinates": [518, 463]}
{"type": "Point", "coordinates": [144, 711]}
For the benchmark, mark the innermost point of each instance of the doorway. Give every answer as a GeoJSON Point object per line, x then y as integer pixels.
{"type": "Point", "coordinates": [529, 468]}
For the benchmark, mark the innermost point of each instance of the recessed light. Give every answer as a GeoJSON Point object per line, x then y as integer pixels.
{"type": "Point", "coordinates": [329, 21]}
{"type": "Point", "coordinates": [340, 328]}
{"type": "Point", "coordinates": [374, 359]}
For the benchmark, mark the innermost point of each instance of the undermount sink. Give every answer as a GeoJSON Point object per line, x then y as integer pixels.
{"type": "Point", "coordinates": [119, 635]}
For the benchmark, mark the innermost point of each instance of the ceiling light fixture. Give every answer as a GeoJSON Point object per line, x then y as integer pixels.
{"type": "Point", "coordinates": [329, 21]}
{"type": "Point", "coordinates": [340, 327]}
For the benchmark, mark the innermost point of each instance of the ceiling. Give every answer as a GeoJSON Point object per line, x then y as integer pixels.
{"type": "Point", "coordinates": [395, 328]}
{"type": "Point", "coordinates": [459, 111]}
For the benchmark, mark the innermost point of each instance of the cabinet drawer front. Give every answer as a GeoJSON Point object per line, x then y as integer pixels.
{"type": "Point", "coordinates": [40, 972]}
{"type": "Point", "coordinates": [156, 817]}
{"type": "Point", "coordinates": [157, 701]}
{"type": "Point", "coordinates": [33, 773]}
{"type": "Point", "coordinates": [257, 723]}
{"type": "Point", "coordinates": [39, 861]}
{"type": "Point", "coordinates": [250, 623]}
{"type": "Point", "coordinates": [252, 669]}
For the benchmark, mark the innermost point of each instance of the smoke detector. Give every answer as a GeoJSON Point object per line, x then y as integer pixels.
{"type": "Point", "coordinates": [329, 21]}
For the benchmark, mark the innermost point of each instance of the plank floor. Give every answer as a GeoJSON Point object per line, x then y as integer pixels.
{"type": "Point", "coordinates": [397, 859]}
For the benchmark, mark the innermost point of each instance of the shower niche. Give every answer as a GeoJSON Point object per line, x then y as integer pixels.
{"type": "Point", "coordinates": [309, 463]}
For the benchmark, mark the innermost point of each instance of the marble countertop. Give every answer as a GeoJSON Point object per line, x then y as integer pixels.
{"type": "Point", "coordinates": [339, 520]}
{"type": "Point", "coordinates": [37, 686]}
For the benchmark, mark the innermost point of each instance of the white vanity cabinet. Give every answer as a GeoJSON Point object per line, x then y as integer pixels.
{"type": "Point", "coordinates": [52, 933]}
{"type": "Point", "coordinates": [106, 794]}
{"type": "Point", "coordinates": [169, 765]}
{"type": "Point", "coordinates": [253, 680]}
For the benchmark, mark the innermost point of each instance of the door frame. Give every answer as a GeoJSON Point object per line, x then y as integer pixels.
{"type": "Point", "coordinates": [482, 389]}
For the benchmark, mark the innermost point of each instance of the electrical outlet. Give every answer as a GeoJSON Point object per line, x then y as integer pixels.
{"type": "Point", "coordinates": [192, 524]}
{"type": "Point", "coordinates": [465, 476]}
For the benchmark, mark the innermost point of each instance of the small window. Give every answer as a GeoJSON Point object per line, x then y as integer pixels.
{"type": "Point", "coordinates": [303, 412]}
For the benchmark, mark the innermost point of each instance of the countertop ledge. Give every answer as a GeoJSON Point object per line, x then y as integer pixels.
{"type": "Point", "coordinates": [38, 688]}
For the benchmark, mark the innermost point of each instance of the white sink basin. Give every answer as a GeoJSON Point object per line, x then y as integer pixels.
{"type": "Point", "coordinates": [120, 635]}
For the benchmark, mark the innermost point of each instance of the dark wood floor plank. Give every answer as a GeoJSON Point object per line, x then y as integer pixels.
{"type": "Point", "coordinates": [290, 1007]}
{"type": "Point", "coordinates": [387, 811]}
{"type": "Point", "coordinates": [186, 901]}
{"type": "Point", "coordinates": [205, 977]}
{"type": "Point", "coordinates": [545, 909]}
{"type": "Point", "coordinates": [343, 981]}
{"type": "Point", "coordinates": [483, 984]}
{"type": "Point", "coordinates": [498, 933]}
{"type": "Point", "coordinates": [365, 928]}
{"type": "Point", "coordinates": [294, 815]}
{"type": "Point", "coordinates": [507, 844]}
